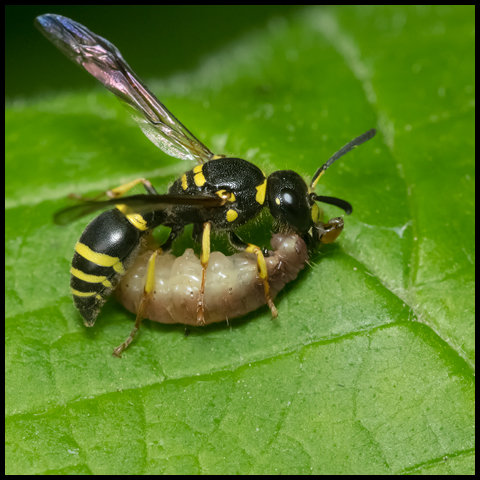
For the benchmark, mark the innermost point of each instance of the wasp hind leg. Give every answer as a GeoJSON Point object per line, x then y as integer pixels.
{"type": "Point", "coordinates": [148, 291]}
{"type": "Point", "coordinates": [119, 191]}
{"type": "Point", "coordinates": [123, 189]}
{"type": "Point", "coordinates": [239, 244]}
{"type": "Point", "coordinates": [204, 260]}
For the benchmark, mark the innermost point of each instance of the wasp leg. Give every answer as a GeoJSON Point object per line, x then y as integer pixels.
{"type": "Point", "coordinates": [147, 295]}
{"type": "Point", "coordinates": [119, 191]}
{"type": "Point", "coordinates": [123, 189]}
{"type": "Point", "coordinates": [239, 244]}
{"type": "Point", "coordinates": [204, 260]}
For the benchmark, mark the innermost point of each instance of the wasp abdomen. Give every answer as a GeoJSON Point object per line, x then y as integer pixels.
{"type": "Point", "coordinates": [233, 287]}
{"type": "Point", "coordinates": [105, 251]}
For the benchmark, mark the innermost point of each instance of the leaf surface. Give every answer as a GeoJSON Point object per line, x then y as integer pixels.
{"type": "Point", "coordinates": [369, 367]}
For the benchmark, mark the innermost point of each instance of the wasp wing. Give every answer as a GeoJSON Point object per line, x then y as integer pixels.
{"type": "Point", "coordinates": [136, 204]}
{"type": "Point", "coordinates": [102, 59]}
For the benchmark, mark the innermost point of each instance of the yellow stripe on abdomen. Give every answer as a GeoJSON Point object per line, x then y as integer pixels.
{"type": "Point", "coordinates": [99, 258]}
{"type": "Point", "coordinates": [90, 278]}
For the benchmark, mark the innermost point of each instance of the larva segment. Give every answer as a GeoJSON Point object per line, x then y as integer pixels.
{"type": "Point", "coordinates": [233, 287]}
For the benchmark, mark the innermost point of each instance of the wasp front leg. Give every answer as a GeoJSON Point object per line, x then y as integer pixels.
{"type": "Point", "coordinates": [239, 244]}
{"type": "Point", "coordinates": [207, 227]}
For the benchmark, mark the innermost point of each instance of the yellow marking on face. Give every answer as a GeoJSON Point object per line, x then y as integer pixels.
{"type": "Point", "coordinates": [229, 196]}
{"type": "Point", "coordinates": [231, 215]}
{"type": "Point", "coordinates": [261, 190]}
{"type": "Point", "coordinates": [277, 201]}
{"type": "Point", "coordinates": [198, 176]}
{"type": "Point", "coordinates": [216, 157]}
{"type": "Point", "coordinates": [315, 213]}
{"type": "Point", "coordinates": [184, 181]}
{"type": "Point", "coordinates": [77, 293]}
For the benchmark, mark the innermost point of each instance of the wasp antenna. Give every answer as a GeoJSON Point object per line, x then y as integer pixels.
{"type": "Point", "coordinates": [349, 146]}
{"type": "Point", "coordinates": [337, 202]}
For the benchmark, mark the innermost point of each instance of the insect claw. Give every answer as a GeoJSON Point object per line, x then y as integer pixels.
{"type": "Point", "coordinates": [118, 351]}
{"type": "Point", "coordinates": [273, 309]}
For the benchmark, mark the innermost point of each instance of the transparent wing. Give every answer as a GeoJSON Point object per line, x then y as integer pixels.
{"type": "Point", "coordinates": [137, 203]}
{"type": "Point", "coordinates": [103, 60]}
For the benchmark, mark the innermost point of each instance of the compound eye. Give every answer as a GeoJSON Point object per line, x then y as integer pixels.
{"type": "Point", "coordinates": [289, 198]}
{"type": "Point", "coordinates": [289, 201]}
{"type": "Point", "coordinates": [295, 210]}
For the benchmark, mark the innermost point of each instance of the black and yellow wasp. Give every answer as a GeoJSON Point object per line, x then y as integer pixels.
{"type": "Point", "coordinates": [218, 194]}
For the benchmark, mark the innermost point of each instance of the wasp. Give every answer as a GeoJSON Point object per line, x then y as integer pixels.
{"type": "Point", "coordinates": [219, 194]}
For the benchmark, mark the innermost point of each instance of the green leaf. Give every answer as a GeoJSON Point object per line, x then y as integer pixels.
{"type": "Point", "coordinates": [369, 367]}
